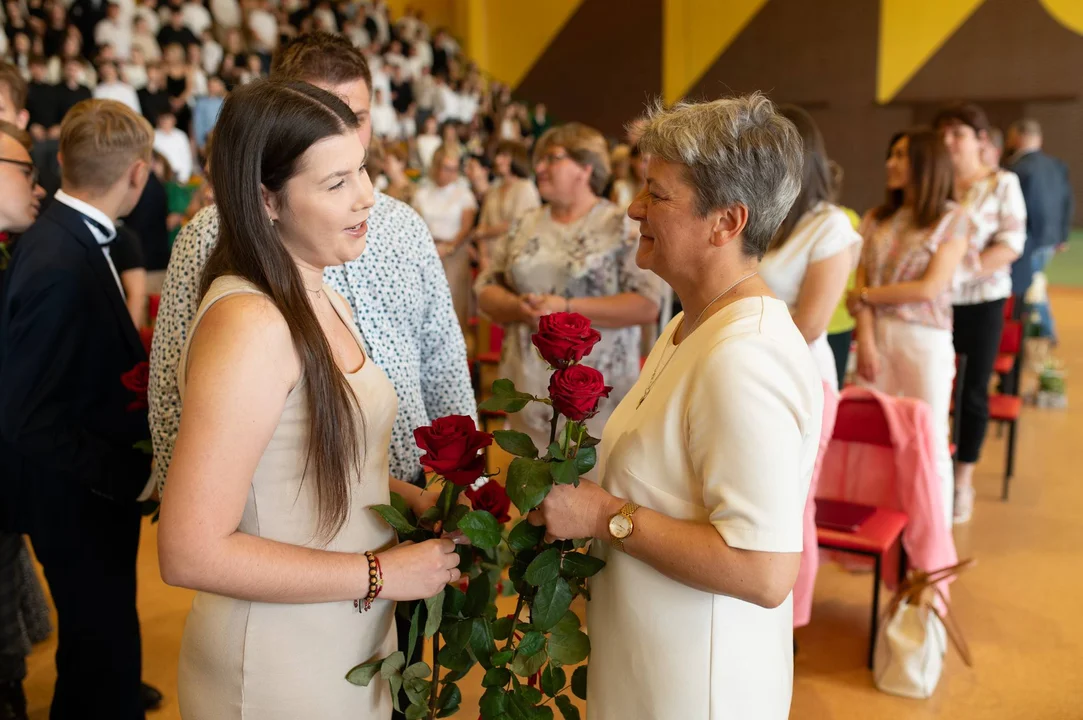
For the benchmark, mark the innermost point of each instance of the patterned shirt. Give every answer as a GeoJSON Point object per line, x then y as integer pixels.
{"type": "Point", "coordinates": [897, 251]}
{"type": "Point", "coordinates": [400, 299]}
{"type": "Point", "coordinates": [594, 256]}
{"type": "Point", "coordinates": [1000, 216]}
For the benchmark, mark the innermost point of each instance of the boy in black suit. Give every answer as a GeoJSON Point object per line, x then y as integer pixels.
{"type": "Point", "coordinates": [71, 411]}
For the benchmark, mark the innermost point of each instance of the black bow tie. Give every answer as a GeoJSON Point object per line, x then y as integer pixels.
{"type": "Point", "coordinates": [101, 228]}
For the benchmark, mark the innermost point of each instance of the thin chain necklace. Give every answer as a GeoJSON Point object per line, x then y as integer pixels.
{"type": "Point", "coordinates": [664, 363]}
{"type": "Point", "coordinates": [318, 293]}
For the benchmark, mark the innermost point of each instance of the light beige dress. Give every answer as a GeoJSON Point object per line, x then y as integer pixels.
{"type": "Point", "coordinates": [244, 660]}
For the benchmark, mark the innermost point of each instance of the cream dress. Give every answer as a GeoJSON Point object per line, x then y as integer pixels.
{"type": "Point", "coordinates": [273, 661]}
{"type": "Point", "coordinates": [728, 435]}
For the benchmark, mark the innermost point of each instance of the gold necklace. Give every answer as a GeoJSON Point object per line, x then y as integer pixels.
{"type": "Point", "coordinates": [663, 365]}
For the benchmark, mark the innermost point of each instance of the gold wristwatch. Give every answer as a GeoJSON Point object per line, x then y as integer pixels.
{"type": "Point", "coordinates": [621, 525]}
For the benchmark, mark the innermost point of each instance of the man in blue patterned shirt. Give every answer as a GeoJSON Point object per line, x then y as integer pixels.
{"type": "Point", "coordinates": [397, 288]}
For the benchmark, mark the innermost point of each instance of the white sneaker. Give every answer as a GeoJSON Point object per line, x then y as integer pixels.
{"type": "Point", "coordinates": [964, 504]}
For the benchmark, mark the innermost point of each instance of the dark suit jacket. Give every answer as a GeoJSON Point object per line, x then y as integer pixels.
{"type": "Point", "coordinates": [65, 340]}
{"type": "Point", "coordinates": [1048, 196]}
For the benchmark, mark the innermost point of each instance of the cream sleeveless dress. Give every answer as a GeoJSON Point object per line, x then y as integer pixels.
{"type": "Point", "coordinates": [245, 660]}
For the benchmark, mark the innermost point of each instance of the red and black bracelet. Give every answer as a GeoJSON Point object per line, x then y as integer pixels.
{"type": "Point", "coordinates": [376, 583]}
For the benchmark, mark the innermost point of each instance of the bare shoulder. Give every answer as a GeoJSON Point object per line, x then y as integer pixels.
{"type": "Point", "coordinates": [246, 331]}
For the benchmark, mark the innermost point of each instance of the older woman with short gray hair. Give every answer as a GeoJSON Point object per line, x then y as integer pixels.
{"type": "Point", "coordinates": [705, 465]}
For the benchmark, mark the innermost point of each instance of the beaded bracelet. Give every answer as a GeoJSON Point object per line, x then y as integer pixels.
{"type": "Point", "coordinates": [376, 583]}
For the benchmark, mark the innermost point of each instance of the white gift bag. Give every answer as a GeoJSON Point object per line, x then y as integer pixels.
{"type": "Point", "coordinates": [913, 636]}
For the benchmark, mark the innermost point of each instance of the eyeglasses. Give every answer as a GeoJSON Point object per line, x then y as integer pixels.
{"type": "Point", "coordinates": [552, 158]}
{"type": "Point", "coordinates": [28, 168]}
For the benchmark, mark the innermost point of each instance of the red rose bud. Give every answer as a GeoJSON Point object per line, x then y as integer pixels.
{"type": "Point", "coordinates": [451, 446]}
{"type": "Point", "coordinates": [565, 338]}
{"type": "Point", "coordinates": [575, 391]}
{"type": "Point", "coordinates": [136, 381]}
{"type": "Point", "coordinates": [492, 498]}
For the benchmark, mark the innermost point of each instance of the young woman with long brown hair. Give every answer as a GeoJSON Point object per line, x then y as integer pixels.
{"type": "Point", "coordinates": [284, 435]}
{"type": "Point", "coordinates": [902, 299]}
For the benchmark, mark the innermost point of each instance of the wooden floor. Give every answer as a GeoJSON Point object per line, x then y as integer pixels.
{"type": "Point", "coordinates": [1019, 608]}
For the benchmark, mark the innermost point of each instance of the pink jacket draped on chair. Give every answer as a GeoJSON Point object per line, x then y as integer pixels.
{"type": "Point", "coordinates": [902, 477]}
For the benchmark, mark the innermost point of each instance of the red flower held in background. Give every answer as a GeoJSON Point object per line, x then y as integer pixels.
{"type": "Point", "coordinates": [146, 335]}
{"type": "Point", "coordinates": [565, 338]}
{"type": "Point", "coordinates": [492, 498]}
{"type": "Point", "coordinates": [451, 446]}
{"type": "Point", "coordinates": [575, 391]}
{"type": "Point", "coordinates": [136, 381]}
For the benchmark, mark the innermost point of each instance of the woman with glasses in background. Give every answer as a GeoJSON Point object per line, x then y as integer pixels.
{"type": "Point", "coordinates": [574, 254]}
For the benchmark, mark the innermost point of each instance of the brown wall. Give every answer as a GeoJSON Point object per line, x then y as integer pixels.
{"type": "Point", "coordinates": [1010, 55]}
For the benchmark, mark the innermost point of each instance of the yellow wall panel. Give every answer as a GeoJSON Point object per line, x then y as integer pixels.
{"type": "Point", "coordinates": [910, 32]}
{"type": "Point", "coordinates": [506, 37]}
{"type": "Point", "coordinates": [696, 33]}
{"type": "Point", "coordinates": [1068, 13]}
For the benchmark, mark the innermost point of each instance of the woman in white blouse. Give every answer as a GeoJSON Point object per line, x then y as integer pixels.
{"type": "Point", "coordinates": [507, 199]}
{"type": "Point", "coordinates": [995, 202]}
{"type": "Point", "coordinates": [705, 465]}
{"type": "Point", "coordinates": [814, 251]}
{"type": "Point", "coordinates": [447, 205]}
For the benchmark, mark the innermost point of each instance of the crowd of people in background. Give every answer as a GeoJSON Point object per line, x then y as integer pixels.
{"type": "Point", "coordinates": [529, 218]}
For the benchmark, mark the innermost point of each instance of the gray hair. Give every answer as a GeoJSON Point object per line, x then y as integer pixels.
{"type": "Point", "coordinates": [736, 151]}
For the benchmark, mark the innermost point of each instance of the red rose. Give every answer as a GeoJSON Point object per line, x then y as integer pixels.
{"type": "Point", "coordinates": [575, 391]}
{"type": "Point", "coordinates": [153, 302]}
{"type": "Point", "coordinates": [451, 446]}
{"type": "Point", "coordinates": [565, 338]}
{"type": "Point", "coordinates": [136, 381]}
{"type": "Point", "coordinates": [493, 498]}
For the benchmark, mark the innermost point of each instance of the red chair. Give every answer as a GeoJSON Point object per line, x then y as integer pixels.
{"type": "Point", "coordinates": [1009, 360]}
{"type": "Point", "coordinates": [862, 421]}
{"type": "Point", "coordinates": [1005, 410]}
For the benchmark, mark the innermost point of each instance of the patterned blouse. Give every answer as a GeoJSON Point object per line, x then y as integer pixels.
{"type": "Point", "coordinates": [592, 257]}
{"type": "Point", "coordinates": [399, 296]}
{"type": "Point", "coordinates": [1000, 214]}
{"type": "Point", "coordinates": [897, 251]}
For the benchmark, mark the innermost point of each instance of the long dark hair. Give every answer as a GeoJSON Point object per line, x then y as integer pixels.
{"type": "Point", "coordinates": [816, 180]}
{"type": "Point", "coordinates": [930, 178]}
{"type": "Point", "coordinates": [262, 132]}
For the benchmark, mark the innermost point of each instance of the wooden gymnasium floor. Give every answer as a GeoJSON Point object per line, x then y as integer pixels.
{"type": "Point", "coordinates": [1019, 607]}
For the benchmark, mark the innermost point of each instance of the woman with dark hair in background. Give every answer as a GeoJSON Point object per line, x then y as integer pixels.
{"type": "Point", "coordinates": [902, 299]}
{"type": "Point", "coordinates": [814, 250]}
{"type": "Point", "coordinates": [284, 410]}
{"type": "Point", "coordinates": [995, 200]}
{"type": "Point", "coordinates": [508, 198]}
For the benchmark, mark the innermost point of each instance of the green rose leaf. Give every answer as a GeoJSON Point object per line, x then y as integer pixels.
{"type": "Point", "coordinates": [415, 671]}
{"type": "Point", "coordinates": [505, 398]}
{"type": "Point", "coordinates": [493, 703]}
{"type": "Point", "coordinates": [564, 472]}
{"type": "Point", "coordinates": [579, 682]}
{"type": "Point", "coordinates": [524, 536]}
{"type": "Point", "coordinates": [417, 711]}
{"type": "Point", "coordinates": [477, 596]}
{"type": "Point", "coordinates": [568, 624]}
{"type": "Point", "coordinates": [415, 628]}
{"type": "Point", "coordinates": [392, 665]}
{"type": "Point", "coordinates": [458, 635]}
{"type": "Point", "coordinates": [449, 701]}
{"type": "Point", "coordinates": [528, 483]}
{"type": "Point", "coordinates": [544, 568]}
{"type": "Point", "coordinates": [529, 694]}
{"type": "Point", "coordinates": [454, 601]}
{"type": "Point", "coordinates": [482, 643]}
{"type": "Point", "coordinates": [555, 452]}
{"type": "Point", "coordinates": [585, 459]}
{"type": "Point", "coordinates": [552, 601]}
{"type": "Point", "coordinates": [362, 674]}
{"type": "Point", "coordinates": [417, 690]}
{"type": "Point", "coordinates": [503, 657]}
{"type": "Point", "coordinates": [515, 442]}
{"type": "Point", "coordinates": [451, 524]}
{"type": "Point", "coordinates": [531, 643]}
{"type": "Point", "coordinates": [578, 565]}
{"type": "Point", "coordinates": [394, 518]}
{"type": "Point", "coordinates": [502, 629]}
{"type": "Point", "coordinates": [459, 661]}
{"type": "Point", "coordinates": [399, 503]}
{"type": "Point", "coordinates": [482, 529]}
{"type": "Point", "coordinates": [496, 677]}
{"type": "Point", "coordinates": [589, 441]}
{"type": "Point", "coordinates": [569, 649]}
{"type": "Point", "coordinates": [435, 606]}
{"type": "Point", "coordinates": [567, 708]}
{"type": "Point", "coordinates": [527, 665]}
{"type": "Point", "coordinates": [552, 680]}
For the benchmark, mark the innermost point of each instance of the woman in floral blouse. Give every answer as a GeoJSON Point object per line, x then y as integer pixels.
{"type": "Point", "coordinates": [575, 254]}
{"type": "Point", "coordinates": [995, 201]}
{"type": "Point", "coordinates": [902, 301]}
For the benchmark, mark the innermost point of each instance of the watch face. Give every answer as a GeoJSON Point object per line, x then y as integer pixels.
{"type": "Point", "coordinates": [620, 526]}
